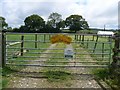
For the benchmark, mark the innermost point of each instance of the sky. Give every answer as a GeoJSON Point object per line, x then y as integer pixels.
{"type": "Point", "coordinates": [98, 13]}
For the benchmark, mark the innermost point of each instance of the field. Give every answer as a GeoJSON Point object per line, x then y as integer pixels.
{"type": "Point", "coordinates": [34, 50]}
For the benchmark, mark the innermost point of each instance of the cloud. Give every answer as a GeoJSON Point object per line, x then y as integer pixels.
{"type": "Point", "coordinates": [97, 13]}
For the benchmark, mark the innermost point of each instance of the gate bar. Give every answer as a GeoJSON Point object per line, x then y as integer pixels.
{"type": "Point", "coordinates": [38, 65]}
{"type": "Point", "coordinates": [60, 61]}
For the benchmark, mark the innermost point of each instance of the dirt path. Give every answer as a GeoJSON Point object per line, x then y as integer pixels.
{"type": "Point", "coordinates": [31, 77]}
{"type": "Point", "coordinates": [84, 79]}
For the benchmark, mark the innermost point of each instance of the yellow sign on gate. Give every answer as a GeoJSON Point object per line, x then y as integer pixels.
{"type": "Point", "coordinates": [61, 38]}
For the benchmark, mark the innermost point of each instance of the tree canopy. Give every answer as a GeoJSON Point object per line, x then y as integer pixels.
{"type": "Point", "coordinates": [3, 24]}
{"type": "Point", "coordinates": [34, 22]}
{"type": "Point", "coordinates": [76, 22]}
{"type": "Point", "coordinates": [54, 19]}
{"type": "Point", "coordinates": [54, 24]}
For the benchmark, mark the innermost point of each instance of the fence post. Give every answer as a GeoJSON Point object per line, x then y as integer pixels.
{"type": "Point", "coordinates": [115, 56]}
{"type": "Point", "coordinates": [93, 37]}
{"type": "Point", "coordinates": [83, 39]}
{"type": "Point", "coordinates": [22, 44]}
{"type": "Point", "coordinates": [49, 36]}
{"type": "Point", "coordinates": [35, 40]}
{"type": "Point", "coordinates": [44, 37]}
{"type": "Point", "coordinates": [79, 37]}
{"type": "Point", "coordinates": [95, 44]}
{"type": "Point", "coordinates": [102, 51]}
{"type": "Point", "coordinates": [0, 49]}
{"type": "Point", "coordinates": [3, 49]}
{"type": "Point", "coordinates": [87, 43]}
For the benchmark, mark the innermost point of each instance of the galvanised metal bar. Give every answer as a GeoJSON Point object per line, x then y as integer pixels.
{"type": "Point", "coordinates": [59, 61]}
{"type": "Point", "coordinates": [72, 66]}
{"type": "Point", "coordinates": [28, 41]}
{"type": "Point", "coordinates": [12, 33]}
{"type": "Point", "coordinates": [74, 53]}
{"type": "Point", "coordinates": [49, 41]}
{"type": "Point", "coordinates": [50, 57]}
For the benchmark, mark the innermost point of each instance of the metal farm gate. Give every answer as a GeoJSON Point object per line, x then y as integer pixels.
{"type": "Point", "coordinates": [36, 49]}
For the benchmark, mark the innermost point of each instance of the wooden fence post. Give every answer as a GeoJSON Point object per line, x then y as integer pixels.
{"type": "Point", "coordinates": [3, 49]}
{"type": "Point", "coordinates": [49, 36]}
{"type": "Point", "coordinates": [44, 38]}
{"type": "Point", "coordinates": [83, 39]}
{"type": "Point", "coordinates": [102, 51]}
{"type": "Point", "coordinates": [0, 49]}
{"type": "Point", "coordinates": [95, 44]}
{"type": "Point", "coordinates": [75, 36]}
{"type": "Point", "coordinates": [116, 51]}
{"type": "Point", "coordinates": [87, 43]}
{"type": "Point", "coordinates": [35, 40]}
{"type": "Point", "coordinates": [79, 37]}
{"type": "Point", "coordinates": [93, 37]}
{"type": "Point", "coordinates": [22, 44]}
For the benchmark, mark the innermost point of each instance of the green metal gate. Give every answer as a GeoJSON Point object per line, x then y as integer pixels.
{"type": "Point", "coordinates": [35, 49]}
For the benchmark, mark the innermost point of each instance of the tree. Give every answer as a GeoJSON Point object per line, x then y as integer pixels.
{"type": "Point", "coordinates": [23, 29]}
{"type": "Point", "coordinates": [3, 24]}
{"type": "Point", "coordinates": [61, 24]}
{"type": "Point", "coordinates": [34, 22]}
{"type": "Point", "coordinates": [76, 22]}
{"type": "Point", "coordinates": [54, 19]}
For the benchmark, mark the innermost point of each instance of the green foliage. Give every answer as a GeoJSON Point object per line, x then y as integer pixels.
{"type": "Point", "coordinates": [6, 71]}
{"type": "Point", "coordinates": [101, 73]}
{"type": "Point", "coordinates": [34, 22]}
{"type": "Point", "coordinates": [76, 22]}
{"type": "Point", "coordinates": [54, 19]}
{"type": "Point", "coordinates": [57, 75]}
{"type": "Point", "coordinates": [88, 31]}
{"type": "Point", "coordinates": [54, 22]}
{"type": "Point", "coordinates": [4, 24]}
{"type": "Point", "coordinates": [111, 79]}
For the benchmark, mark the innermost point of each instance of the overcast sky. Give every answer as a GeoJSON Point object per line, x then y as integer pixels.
{"type": "Point", "coordinates": [97, 12]}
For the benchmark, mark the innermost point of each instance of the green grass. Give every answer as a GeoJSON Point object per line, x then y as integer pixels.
{"type": "Point", "coordinates": [112, 80]}
{"type": "Point", "coordinates": [57, 75]}
{"type": "Point", "coordinates": [0, 78]}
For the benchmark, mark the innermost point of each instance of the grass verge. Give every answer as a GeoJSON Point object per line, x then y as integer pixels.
{"type": "Point", "coordinates": [111, 79]}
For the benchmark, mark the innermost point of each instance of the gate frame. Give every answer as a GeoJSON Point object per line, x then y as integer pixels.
{"type": "Point", "coordinates": [4, 45]}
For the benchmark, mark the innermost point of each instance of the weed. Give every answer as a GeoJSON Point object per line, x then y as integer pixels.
{"type": "Point", "coordinates": [57, 75]}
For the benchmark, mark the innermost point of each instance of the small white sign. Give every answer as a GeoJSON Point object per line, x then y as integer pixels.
{"type": "Point", "coordinates": [68, 53]}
